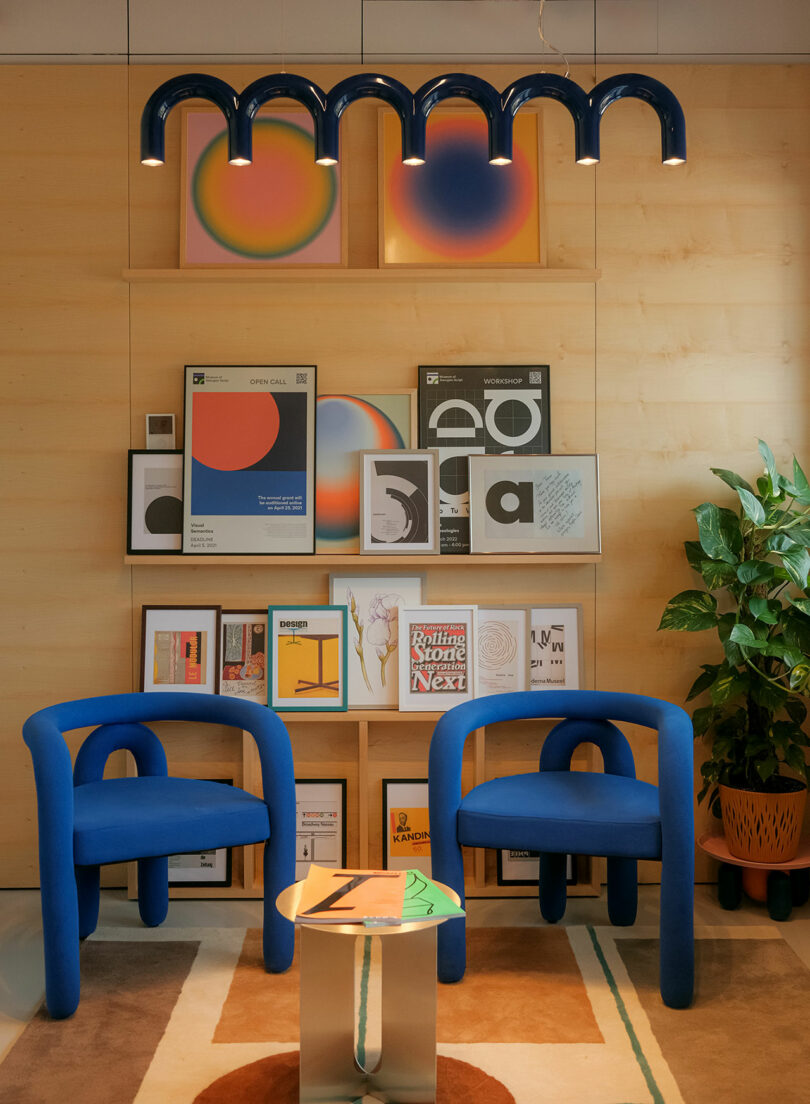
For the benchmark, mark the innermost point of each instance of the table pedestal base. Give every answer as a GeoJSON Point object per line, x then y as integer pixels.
{"type": "Point", "coordinates": [406, 1071]}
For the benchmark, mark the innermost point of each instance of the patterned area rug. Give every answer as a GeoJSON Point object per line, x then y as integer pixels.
{"type": "Point", "coordinates": [553, 1015]}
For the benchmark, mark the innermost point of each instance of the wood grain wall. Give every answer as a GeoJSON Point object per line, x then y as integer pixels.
{"type": "Point", "coordinates": [693, 344]}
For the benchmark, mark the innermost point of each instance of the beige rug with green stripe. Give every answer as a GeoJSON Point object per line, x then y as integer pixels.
{"type": "Point", "coordinates": [554, 1015]}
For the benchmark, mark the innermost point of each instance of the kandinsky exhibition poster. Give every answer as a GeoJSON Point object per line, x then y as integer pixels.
{"type": "Point", "coordinates": [249, 473]}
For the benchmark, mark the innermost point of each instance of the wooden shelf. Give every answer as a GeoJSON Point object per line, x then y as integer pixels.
{"type": "Point", "coordinates": [360, 562]}
{"type": "Point", "coordinates": [395, 275]}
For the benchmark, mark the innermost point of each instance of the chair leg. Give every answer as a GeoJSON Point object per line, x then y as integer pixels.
{"type": "Point", "coordinates": [278, 935]}
{"type": "Point", "coordinates": [677, 936]}
{"type": "Point", "coordinates": [622, 891]}
{"type": "Point", "coordinates": [60, 929]}
{"type": "Point", "coordinates": [448, 867]}
{"type": "Point", "coordinates": [87, 888]}
{"type": "Point", "coordinates": [551, 887]}
{"type": "Point", "coordinates": [153, 890]}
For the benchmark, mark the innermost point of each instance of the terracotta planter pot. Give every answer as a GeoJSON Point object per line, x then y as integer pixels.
{"type": "Point", "coordinates": [762, 827]}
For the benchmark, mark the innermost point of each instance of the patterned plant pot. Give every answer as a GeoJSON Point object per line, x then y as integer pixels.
{"type": "Point", "coordinates": [763, 827]}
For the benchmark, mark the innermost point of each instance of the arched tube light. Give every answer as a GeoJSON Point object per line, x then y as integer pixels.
{"type": "Point", "coordinates": [413, 110]}
{"type": "Point", "coordinates": [189, 86]}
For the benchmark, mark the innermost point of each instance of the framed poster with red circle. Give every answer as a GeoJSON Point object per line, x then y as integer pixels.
{"type": "Point", "coordinates": [249, 462]}
{"type": "Point", "coordinates": [282, 209]}
{"type": "Point", "coordinates": [457, 208]}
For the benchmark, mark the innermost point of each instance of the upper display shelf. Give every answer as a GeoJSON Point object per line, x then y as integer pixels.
{"type": "Point", "coordinates": [175, 560]}
{"type": "Point", "coordinates": [399, 274]}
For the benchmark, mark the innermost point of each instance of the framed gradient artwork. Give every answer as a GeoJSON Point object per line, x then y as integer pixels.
{"type": "Point", "coordinates": [282, 209]}
{"type": "Point", "coordinates": [457, 209]}
{"type": "Point", "coordinates": [345, 424]}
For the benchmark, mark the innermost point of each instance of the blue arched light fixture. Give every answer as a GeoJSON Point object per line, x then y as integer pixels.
{"type": "Point", "coordinates": [413, 109]}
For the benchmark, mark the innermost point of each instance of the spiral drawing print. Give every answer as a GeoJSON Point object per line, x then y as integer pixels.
{"type": "Point", "coordinates": [497, 646]}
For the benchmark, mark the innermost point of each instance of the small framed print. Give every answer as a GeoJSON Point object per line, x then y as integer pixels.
{"type": "Point", "coordinates": [320, 828]}
{"type": "Point", "coordinates": [243, 655]}
{"type": "Point", "coordinates": [436, 657]}
{"type": "Point", "coordinates": [154, 501]}
{"type": "Point", "coordinates": [406, 827]}
{"type": "Point", "coordinates": [555, 647]}
{"type": "Point", "coordinates": [522, 868]}
{"type": "Point", "coordinates": [346, 423]}
{"type": "Point", "coordinates": [203, 868]}
{"type": "Point", "coordinates": [307, 668]}
{"type": "Point", "coordinates": [399, 501]}
{"type": "Point", "coordinates": [534, 504]}
{"type": "Point", "coordinates": [502, 649]}
{"type": "Point", "coordinates": [373, 603]}
{"type": "Point", "coordinates": [180, 648]}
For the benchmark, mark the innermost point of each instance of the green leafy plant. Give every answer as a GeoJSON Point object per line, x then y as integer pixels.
{"type": "Point", "coordinates": [754, 563]}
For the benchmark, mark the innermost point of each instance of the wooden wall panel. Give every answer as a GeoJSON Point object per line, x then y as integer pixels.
{"type": "Point", "coordinates": [694, 343]}
{"type": "Point", "coordinates": [64, 420]}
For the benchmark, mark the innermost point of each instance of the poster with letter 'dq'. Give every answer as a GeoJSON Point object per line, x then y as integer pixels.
{"type": "Point", "coordinates": [249, 471]}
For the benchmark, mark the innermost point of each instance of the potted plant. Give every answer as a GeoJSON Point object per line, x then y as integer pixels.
{"type": "Point", "coordinates": [753, 562]}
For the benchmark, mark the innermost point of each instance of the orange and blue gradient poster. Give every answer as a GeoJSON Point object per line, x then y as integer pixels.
{"type": "Point", "coordinates": [282, 209]}
{"type": "Point", "coordinates": [249, 472]}
{"type": "Point", "coordinates": [457, 209]}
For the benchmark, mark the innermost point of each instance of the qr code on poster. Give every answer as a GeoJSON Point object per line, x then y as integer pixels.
{"type": "Point", "coordinates": [535, 377]}
{"type": "Point", "coordinates": [301, 377]}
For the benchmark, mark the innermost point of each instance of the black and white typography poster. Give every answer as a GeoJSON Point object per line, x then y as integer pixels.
{"type": "Point", "coordinates": [471, 409]}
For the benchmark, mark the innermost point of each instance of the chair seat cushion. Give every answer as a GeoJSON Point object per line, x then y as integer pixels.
{"type": "Point", "coordinates": [137, 818]}
{"type": "Point", "coordinates": [576, 812]}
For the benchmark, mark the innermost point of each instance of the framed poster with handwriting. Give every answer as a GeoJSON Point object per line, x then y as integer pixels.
{"type": "Point", "coordinates": [534, 504]}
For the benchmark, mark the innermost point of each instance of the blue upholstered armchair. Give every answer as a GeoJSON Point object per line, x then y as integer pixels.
{"type": "Point", "coordinates": [557, 811]}
{"type": "Point", "coordinates": [86, 821]}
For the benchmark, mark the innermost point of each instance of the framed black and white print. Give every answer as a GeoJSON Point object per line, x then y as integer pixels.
{"type": "Point", "coordinates": [154, 501]}
{"type": "Point", "coordinates": [320, 824]}
{"type": "Point", "coordinates": [555, 647]}
{"type": "Point", "coordinates": [502, 642]}
{"type": "Point", "coordinates": [534, 504]}
{"type": "Point", "coordinates": [399, 504]}
{"type": "Point", "coordinates": [467, 409]}
{"type": "Point", "coordinates": [522, 868]}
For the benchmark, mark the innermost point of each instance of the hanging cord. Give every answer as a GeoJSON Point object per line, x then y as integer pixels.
{"type": "Point", "coordinates": [546, 42]}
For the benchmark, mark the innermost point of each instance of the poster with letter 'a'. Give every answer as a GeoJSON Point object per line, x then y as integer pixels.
{"type": "Point", "coordinates": [466, 409]}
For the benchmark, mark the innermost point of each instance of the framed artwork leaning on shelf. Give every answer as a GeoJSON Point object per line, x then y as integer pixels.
{"type": "Point", "coordinates": [307, 659]}
{"type": "Point", "coordinates": [346, 424]}
{"type": "Point", "coordinates": [154, 501]}
{"type": "Point", "coordinates": [399, 502]}
{"type": "Point", "coordinates": [555, 648]}
{"type": "Point", "coordinates": [180, 648]}
{"type": "Point", "coordinates": [405, 827]}
{"type": "Point", "coordinates": [436, 657]}
{"type": "Point", "coordinates": [522, 868]}
{"type": "Point", "coordinates": [320, 829]}
{"type": "Point", "coordinates": [373, 603]}
{"type": "Point", "coordinates": [249, 471]}
{"type": "Point", "coordinates": [478, 408]}
{"type": "Point", "coordinates": [534, 504]}
{"type": "Point", "coordinates": [457, 208]}
{"type": "Point", "coordinates": [502, 649]}
{"type": "Point", "coordinates": [282, 209]}
{"type": "Point", "coordinates": [243, 655]}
